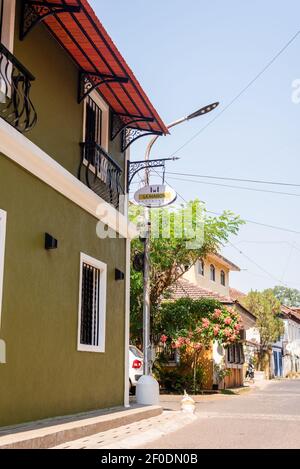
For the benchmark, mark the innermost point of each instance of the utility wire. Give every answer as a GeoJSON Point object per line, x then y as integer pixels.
{"type": "Point", "coordinates": [234, 187]}
{"type": "Point", "coordinates": [243, 90]}
{"type": "Point", "coordinates": [252, 222]}
{"type": "Point", "coordinates": [234, 179]}
{"type": "Point", "coordinates": [241, 252]}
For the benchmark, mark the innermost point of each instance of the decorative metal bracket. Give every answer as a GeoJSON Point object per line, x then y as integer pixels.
{"type": "Point", "coordinates": [130, 135]}
{"type": "Point", "coordinates": [120, 122]}
{"type": "Point", "coordinates": [33, 12]}
{"type": "Point", "coordinates": [136, 166]}
{"type": "Point", "coordinates": [89, 81]}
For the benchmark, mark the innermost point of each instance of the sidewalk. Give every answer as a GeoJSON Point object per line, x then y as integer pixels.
{"type": "Point", "coordinates": [52, 432]}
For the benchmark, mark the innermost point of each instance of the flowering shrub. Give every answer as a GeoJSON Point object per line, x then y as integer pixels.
{"type": "Point", "coordinates": [199, 323]}
{"type": "Point", "coordinates": [191, 326]}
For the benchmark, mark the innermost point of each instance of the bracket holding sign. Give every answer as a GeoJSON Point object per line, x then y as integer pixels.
{"type": "Point", "coordinates": [136, 166]}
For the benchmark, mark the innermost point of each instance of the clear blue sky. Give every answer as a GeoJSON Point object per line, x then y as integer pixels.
{"type": "Point", "coordinates": [189, 53]}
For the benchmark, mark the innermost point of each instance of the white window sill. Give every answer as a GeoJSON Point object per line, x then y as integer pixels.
{"type": "Point", "coordinates": [90, 348]}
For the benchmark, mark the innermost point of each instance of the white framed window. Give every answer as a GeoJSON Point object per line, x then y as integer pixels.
{"type": "Point", "coordinates": [95, 120]}
{"type": "Point", "coordinates": [92, 305]}
{"type": "Point", "coordinates": [2, 253]}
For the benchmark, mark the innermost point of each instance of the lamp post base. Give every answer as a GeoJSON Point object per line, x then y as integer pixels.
{"type": "Point", "coordinates": [147, 391]}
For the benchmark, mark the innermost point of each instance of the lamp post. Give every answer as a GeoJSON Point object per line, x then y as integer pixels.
{"type": "Point", "coordinates": [147, 387]}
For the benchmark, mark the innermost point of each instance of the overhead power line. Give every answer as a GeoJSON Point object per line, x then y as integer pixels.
{"type": "Point", "coordinates": [252, 189]}
{"type": "Point", "coordinates": [253, 222]}
{"type": "Point", "coordinates": [256, 181]}
{"type": "Point", "coordinates": [241, 252]}
{"type": "Point", "coordinates": [243, 90]}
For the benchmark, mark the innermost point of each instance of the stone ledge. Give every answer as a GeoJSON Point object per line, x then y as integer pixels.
{"type": "Point", "coordinates": [38, 436]}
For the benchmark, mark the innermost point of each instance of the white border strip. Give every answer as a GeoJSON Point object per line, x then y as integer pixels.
{"type": "Point", "coordinates": [28, 155]}
{"type": "Point", "coordinates": [2, 254]}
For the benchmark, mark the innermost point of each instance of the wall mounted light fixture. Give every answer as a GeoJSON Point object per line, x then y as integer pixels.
{"type": "Point", "coordinates": [119, 275]}
{"type": "Point", "coordinates": [50, 242]}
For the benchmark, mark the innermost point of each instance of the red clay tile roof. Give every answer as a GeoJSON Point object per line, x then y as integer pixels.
{"type": "Point", "coordinates": [236, 294]}
{"type": "Point", "coordinates": [292, 313]}
{"type": "Point", "coordinates": [186, 289]}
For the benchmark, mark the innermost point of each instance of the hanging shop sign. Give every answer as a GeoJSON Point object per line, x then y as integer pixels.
{"type": "Point", "coordinates": [155, 195]}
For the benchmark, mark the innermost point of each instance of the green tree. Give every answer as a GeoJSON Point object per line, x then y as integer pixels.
{"type": "Point", "coordinates": [173, 255]}
{"type": "Point", "coordinates": [287, 296]}
{"type": "Point", "coordinates": [266, 308]}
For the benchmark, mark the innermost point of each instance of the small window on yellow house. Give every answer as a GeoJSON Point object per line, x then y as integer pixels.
{"type": "Point", "coordinates": [223, 278]}
{"type": "Point", "coordinates": [212, 273]}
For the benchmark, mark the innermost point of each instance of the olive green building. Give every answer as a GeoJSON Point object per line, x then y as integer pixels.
{"type": "Point", "coordinates": [69, 109]}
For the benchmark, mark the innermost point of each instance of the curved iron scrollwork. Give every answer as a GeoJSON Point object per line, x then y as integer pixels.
{"type": "Point", "coordinates": [89, 81]}
{"type": "Point", "coordinates": [33, 12]}
{"type": "Point", "coordinates": [119, 122]}
{"type": "Point", "coordinates": [15, 82]}
{"type": "Point", "coordinates": [100, 173]}
{"type": "Point", "coordinates": [130, 135]}
{"type": "Point", "coordinates": [136, 166]}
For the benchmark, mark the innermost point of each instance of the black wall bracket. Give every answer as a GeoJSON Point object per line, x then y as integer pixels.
{"type": "Point", "coordinates": [89, 81]}
{"type": "Point", "coordinates": [33, 12]}
{"type": "Point", "coordinates": [119, 122]}
{"type": "Point", "coordinates": [130, 135]}
{"type": "Point", "coordinates": [135, 166]}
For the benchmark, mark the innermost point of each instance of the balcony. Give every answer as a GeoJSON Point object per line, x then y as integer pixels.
{"type": "Point", "coordinates": [100, 173]}
{"type": "Point", "coordinates": [15, 82]}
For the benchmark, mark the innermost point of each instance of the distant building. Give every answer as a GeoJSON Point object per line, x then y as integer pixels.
{"type": "Point", "coordinates": [286, 351]}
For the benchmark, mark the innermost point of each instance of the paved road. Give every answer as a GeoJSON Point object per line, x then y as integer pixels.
{"type": "Point", "coordinates": [268, 418]}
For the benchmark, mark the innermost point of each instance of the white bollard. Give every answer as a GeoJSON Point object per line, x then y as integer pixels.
{"type": "Point", "coordinates": [147, 391]}
{"type": "Point", "coordinates": [188, 404]}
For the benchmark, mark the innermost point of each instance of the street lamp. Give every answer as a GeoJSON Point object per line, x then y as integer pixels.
{"type": "Point", "coordinates": [147, 387]}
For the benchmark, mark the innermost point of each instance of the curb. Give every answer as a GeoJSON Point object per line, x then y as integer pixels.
{"type": "Point", "coordinates": [55, 435]}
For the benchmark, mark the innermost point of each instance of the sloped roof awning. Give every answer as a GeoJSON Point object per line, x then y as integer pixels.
{"type": "Point", "coordinates": [76, 27]}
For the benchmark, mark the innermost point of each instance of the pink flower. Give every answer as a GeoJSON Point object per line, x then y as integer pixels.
{"type": "Point", "coordinates": [205, 323]}
{"type": "Point", "coordinates": [233, 338]}
{"type": "Point", "coordinates": [228, 321]}
{"type": "Point", "coordinates": [217, 313]}
{"type": "Point", "coordinates": [227, 332]}
{"type": "Point", "coordinates": [187, 341]}
{"type": "Point", "coordinates": [181, 340]}
{"type": "Point", "coordinates": [198, 346]}
{"type": "Point", "coordinates": [164, 338]}
{"type": "Point", "coordinates": [199, 330]}
{"type": "Point", "coordinates": [216, 330]}
{"type": "Point", "coordinates": [237, 327]}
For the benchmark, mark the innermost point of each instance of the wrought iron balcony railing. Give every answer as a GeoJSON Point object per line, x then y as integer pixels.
{"type": "Point", "coordinates": [15, 82]}
{"type": "Point", "coordinates": [100, 173]}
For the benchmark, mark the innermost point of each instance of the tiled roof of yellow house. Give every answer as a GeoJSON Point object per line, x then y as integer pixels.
{"type": "Point", "coordinates": [185, 289]}
{"type": "Point", "coordinates": [236, 294]}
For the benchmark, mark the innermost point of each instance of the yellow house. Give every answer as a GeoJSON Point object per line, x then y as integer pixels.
{"type": "Point", "coordinates": [209, 278]}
